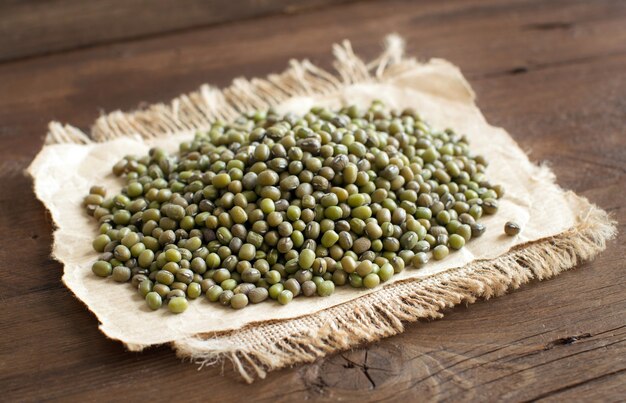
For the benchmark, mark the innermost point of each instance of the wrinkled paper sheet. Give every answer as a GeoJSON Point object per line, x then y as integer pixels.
{"type": "Point", "coordinates": [63, 174]}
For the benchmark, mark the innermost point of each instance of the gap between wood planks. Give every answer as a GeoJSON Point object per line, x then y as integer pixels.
{"type": "Point", "coordinates": [301, 8]}
{"type": "Point", "coordinates": [464, 9]}
{"type": "Point", "coordinates": [545, 66]}
{"type": "Point", "coordinates": [575, 385]}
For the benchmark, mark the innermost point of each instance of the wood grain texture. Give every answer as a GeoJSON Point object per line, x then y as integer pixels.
{"type": "Point", "coordinates": [552, 73]}
{"type": "Point", "coordinates": [33, 27]}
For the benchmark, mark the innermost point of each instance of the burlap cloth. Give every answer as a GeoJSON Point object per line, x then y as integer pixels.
{"type": "Point", "coordinates": [559, 228]}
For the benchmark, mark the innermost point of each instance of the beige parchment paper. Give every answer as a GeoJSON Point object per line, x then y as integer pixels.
{"type": "Point", "coordinates": [64, 170]}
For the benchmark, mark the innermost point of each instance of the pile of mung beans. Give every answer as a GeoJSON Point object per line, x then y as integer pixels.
{"type": "Point", "coordinates": [277, 206]}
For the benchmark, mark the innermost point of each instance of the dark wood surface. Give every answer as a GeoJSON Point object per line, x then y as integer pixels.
{"type": "Point", "coordinates": [553, 73]}
{"type": "Point", "coordinates": [35, 27]}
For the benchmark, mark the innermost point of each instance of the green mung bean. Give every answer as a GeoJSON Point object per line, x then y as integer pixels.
{"type": "Point", "coordinates": [239, 301]}
{"type": "Point", "coordinates": [325, 288]}
{"type": "Point", "coordinates": [154, 300]}
{"type": "Point", "coordinates": [257, 295]}
{"type": "Point", "coordinates": [178, 304]}
{"type": "Point", "coordinates": [102, 268]}
{"type": "Point", "coordinates": [440, 252]}
{"type": "Point", "coordinates": [121, 274]}
{"type": "Point", "coordinates": [284, 297]}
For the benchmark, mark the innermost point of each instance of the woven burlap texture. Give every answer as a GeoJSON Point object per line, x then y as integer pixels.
{"type": "Point", "coordinates": [272, 338]}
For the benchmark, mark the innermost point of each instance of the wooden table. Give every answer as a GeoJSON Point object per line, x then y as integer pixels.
{"type": "Point", "coordinates": [551, 72]}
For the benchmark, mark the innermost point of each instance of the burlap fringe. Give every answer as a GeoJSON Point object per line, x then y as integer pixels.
{"type": "Point", "coordinates": [260, 348]}
{"type": "Point", "coordinates": [196, 110]}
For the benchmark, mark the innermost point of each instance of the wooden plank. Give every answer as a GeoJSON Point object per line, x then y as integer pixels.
{"type": "Point", "coordinates": [552, 73]}
{"type": "Point", "coordinates": [492, 40]}
{"type": "Point", "coordinates": [30, 28]}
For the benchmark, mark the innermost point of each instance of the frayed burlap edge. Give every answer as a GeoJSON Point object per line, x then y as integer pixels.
{"type": "Point", "coordinates": [196, 110]}
{"type": "Point", "coordinates": [262, 347]}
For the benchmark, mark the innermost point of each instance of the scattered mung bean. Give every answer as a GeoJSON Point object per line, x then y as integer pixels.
{"type": "Point", "coordinates": [512, 228]}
